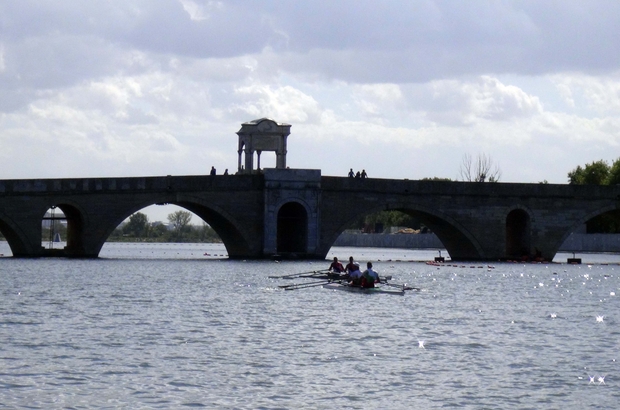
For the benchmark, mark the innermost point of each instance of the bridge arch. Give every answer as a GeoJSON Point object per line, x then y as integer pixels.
{"type": "Point", "coordinates": [234, 238]}
{"type": "Point", "coordinates": [16, 239]}
{"type": "Point", "coordinates": [581, 221]}
{"type": "Point", "coordinates": [518, 232]}
{"type": "Point", "coordinates": [74, 216]}
{"type": "Point", "coordinates": [457, 240]}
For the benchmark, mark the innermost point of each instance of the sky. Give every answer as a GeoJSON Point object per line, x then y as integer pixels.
{"type": "Point", "coordinates": [402, 89]}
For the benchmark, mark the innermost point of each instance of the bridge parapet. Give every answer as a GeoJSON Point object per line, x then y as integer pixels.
{"type": "Point", "coordinates": [503, 189]}
{"type": "Point", "coordinates": [167, 183]}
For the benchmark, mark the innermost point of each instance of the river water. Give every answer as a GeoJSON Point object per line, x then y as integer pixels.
{"type": "Point", "coordinates": [165, 326]}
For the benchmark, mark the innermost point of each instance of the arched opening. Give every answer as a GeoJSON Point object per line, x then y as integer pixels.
{"type": "Point", "coordinates": [596, 233]}
{"type": "Point", "coordinates": [258, 158]}
{"type": "Point", "coordinates": [61, 230]}
{"type": "Point", "coordinates": [608, 222]}
{"type": "Point", "coordinates": [518, 237]}
{"type": "Point", "coordinates": [163, 231]}
{"type": "Point", "coordinates": [54, 228]}
{"type": "Point", "coordinates": [209, 227]}
{"type": "Point", "coordinates": [241, 159]}
{"type": "Point", "coordinates": [407, 228]}
{"type": "Point", "coordinates": [292, 229]}
{"type": "Point", "coordinates": [164, 223]}
{"type": "Point", "coordinates": [5, 248]}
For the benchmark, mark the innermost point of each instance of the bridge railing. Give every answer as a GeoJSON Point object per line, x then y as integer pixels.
{"type": "Point", "coordinates": [470, 188]}
{"type": "Point", "coordinates": [90, 185]}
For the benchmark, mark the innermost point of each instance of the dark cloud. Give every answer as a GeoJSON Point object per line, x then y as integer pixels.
{"type": "Point", "coordinates": [55, 43]}
{"type": "Point", "coordinates": [423, 41]}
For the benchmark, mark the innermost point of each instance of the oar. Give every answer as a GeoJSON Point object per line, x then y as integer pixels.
{"type": "Point", "coordinates": [308, 285]}
{"type": "Point", "coordinates": [403, 287]}
{"type": "Point", "coordinates": [290, 275]}
{"type": "Point", "coordinates": [293, 285]}
{"type": "Point", "coordinates": [293, 275]}
{"type": "Point", "coordinates": [314, 274]}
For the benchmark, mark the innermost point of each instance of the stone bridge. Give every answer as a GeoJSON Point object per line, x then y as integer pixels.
{"type": "Point", "coordinates": [299, 214]}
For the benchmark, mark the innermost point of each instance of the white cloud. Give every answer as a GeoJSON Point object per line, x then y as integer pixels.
{"type": "Point", "coordinates": [465, 102]}
{"type": "Point", "coordinates": [285, 104]}
{"type": "Point", "coordinates": [200, 12]}
{"type": "Point", "coordinates": [2, 62]}
{"type": "Point", "coordinates": [377, 99]}
{"type": "Point", "coordinates": [599, 95]}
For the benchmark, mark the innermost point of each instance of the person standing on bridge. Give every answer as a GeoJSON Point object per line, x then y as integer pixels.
{"type": "Point", "coordinates": [212, 170]}
{"type": "Point", "coordinates": [351, 174]}
{"type": "Point", "coordinates": [364, 175]}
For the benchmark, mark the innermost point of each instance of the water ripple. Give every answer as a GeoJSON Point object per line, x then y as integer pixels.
{"type": "Point", "coordinates": [122, 333]}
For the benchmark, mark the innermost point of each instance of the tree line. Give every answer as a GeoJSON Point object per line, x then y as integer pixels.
{"type": "Point", "coordinates": [596, 173]}
{"type": "Point", "coordinates": [139, 228]}
{"type": "Point", "coordinates": [599, 173]}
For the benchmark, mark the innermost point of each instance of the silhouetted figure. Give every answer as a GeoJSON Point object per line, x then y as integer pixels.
{"type": "Point", "coordinates": [212, 170]}
{"type": "Point", "coordinates": [336, 266]}
{"type": "Point", "coordinates": [226, 171]}
{"type": "Point", "coordinates": [358, 175]}
{"type": "Point", "coordinates": [364, 175]}
{"type": "Point", "coordinates": [351, 174]}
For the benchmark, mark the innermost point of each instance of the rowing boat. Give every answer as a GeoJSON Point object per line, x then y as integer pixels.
{"type": "Point", "coordinates": [376, 289]}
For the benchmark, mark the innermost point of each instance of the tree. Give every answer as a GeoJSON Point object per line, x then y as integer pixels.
{"type": "Point", "coordinates": [159, 230]}
{"type": "Point", "coordinates": [436, 179]}
{"type": "Point", "coordinates": [599, 173]}
{"type": "Point", "coordinates": [614, 173]}
{"type": "Point", "coordinates": [596, 173]}
{"type": "Point", "coordinates": [138, 225]}
{"type": "Point", "coordinates": [386, 219]}
{"type": "Point", "coordinates": [481, 170]}
{"type": "Point", "coordinates": [180, 221]}
{"type": "Point", "coordinates": [207, 234]}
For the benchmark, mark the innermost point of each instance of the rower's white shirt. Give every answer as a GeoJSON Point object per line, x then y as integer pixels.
{"type": "Point", "coordinates": [372, 273]}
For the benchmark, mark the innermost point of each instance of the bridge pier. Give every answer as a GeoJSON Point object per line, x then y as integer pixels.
{"type": "Point", "coordinates": [292, 213]}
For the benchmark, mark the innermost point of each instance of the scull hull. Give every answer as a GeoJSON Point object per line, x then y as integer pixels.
{"type": "Point", "coordinates": [369, 291]}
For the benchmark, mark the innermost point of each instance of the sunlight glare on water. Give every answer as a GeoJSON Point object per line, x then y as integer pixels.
{"type": "Point", "coordinates": [169, 326]}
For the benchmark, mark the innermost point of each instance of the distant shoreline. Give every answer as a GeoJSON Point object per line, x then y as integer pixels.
{"type": "Point", "coordinates": [576, 242]}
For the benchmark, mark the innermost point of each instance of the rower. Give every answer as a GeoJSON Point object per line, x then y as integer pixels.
{"type": "Point", "coordinates": [369, 277]}
{"type": "Point", "coordinates": [351, 266]}
{"type": "Point", "coordinates": [336, 267]}
{"type": "Point", "coordinates": [355, 275]}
